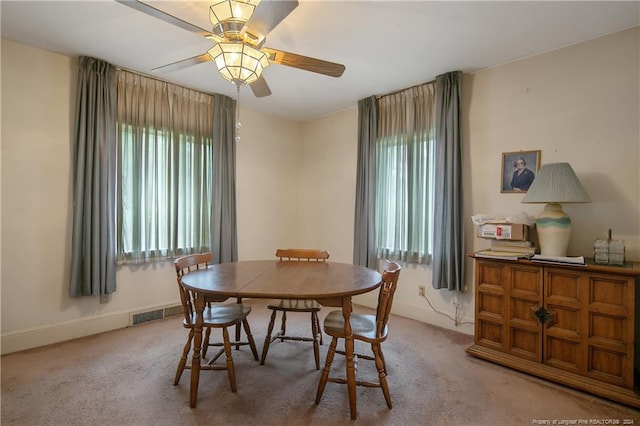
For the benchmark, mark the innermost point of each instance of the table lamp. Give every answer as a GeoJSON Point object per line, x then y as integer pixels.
{"type": "Point", "coordinates": [555, 183]}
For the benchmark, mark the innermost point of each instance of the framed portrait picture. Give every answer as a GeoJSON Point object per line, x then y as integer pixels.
{"type": "Point", "coordinates": [519, 169]}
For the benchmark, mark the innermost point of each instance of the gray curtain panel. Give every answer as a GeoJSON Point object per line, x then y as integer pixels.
{"type": "Point", "coordinates": [364, 249]}
{"type": "Point", "coordinates": [448, 250]}
{"type": "Point", "coordinates": [165, 172]}
{"type": "Point", "coordinates": [405, 159]}
{"type": "Point", "coordinates": [224, 239]}
{"type": "Point", "coordinates": [93, 268]}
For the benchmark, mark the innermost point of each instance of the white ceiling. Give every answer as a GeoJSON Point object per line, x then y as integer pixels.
{"type": "Point", "coordinates": [385, 45]}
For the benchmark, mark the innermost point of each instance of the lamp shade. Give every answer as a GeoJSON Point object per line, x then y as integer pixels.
{"type": "Point", "coordinates": [556, 183]}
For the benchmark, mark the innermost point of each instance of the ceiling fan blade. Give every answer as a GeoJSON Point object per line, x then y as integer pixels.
{"type": "Point", "coordinates": [175, 66]}
{"type": "Point", "coordinates": [294, 60]}
{"type": "Point", "coordinates": [268, 15]}
{"type": "Point", "coordinates": [164, 16]}
{"type": "Point", "coordinates": [260, 87]}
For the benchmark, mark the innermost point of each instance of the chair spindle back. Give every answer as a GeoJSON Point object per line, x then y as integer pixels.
{"type": "Point", "coordinates": [310, 255]}
{"type": "Point", "coordinates": [390, 275]}
{"type": "Point", "coordinates": [184, 265]}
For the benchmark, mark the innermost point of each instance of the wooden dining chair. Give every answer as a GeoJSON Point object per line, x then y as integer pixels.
{"type": "Point", "coordinates": [215, 315]}
{"type": "Point", "coordinates": [292, 305]}
{"type": "Point", "coordinates": [371, 329]}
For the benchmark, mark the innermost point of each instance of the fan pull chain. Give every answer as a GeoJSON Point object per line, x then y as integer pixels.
{"type": "Point", "coordinates": [238, 124]}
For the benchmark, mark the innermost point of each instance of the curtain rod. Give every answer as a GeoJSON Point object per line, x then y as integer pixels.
{"type": "Point", "coordinates": [402, 90]}
{"type": "Point", "coordinates": [118, 67]}
{"type": "Point", "coordinates": [121, 68]}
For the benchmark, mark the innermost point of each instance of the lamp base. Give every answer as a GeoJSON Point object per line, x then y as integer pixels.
{"type": "Point", "coordinates": [554, 230]}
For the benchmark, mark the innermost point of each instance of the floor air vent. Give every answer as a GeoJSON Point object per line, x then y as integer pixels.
{"type": "Point", "coordinates": [146, 316]}
{"type": "Point", "coordinates": [156, 314]}
{"type": "Point", "coordinates": [173, 311]}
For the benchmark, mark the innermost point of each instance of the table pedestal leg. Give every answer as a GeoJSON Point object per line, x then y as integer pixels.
{"type": "Point", "coordinates": [197, 344]}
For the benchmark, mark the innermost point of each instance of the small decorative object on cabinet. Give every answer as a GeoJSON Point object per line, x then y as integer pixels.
{"type": "Point", "coordinates": [574, 325]}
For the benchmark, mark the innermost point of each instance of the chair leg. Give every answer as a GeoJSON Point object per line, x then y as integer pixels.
{"type": "Point", "coordinates": [382, 375]}
{"type": "Point", "coordinates": [283, 325]}
{"type": "Point", "coordinates": [227, 351]}
{"type": "Point", "coordinates": [384, 363]}
{"type": "Point", "coordinates": [252, 343]}
{"type": "Point", "coordinates": [183, 359]}
{"type": "Point", "coordinates": [238, 335]}
{"type": "Point", "coordinates": [238, 330]}
{"type": "Point", "coordinates": [205, 342]}
{"type": "Point", "coordinates": [315, 331]}
{"type": "Point", "coordinates": [267, 340]}
{"type": "Point", "coordinates": [327, 368]}
{"type": "Point", "coordinates": [315, 315]}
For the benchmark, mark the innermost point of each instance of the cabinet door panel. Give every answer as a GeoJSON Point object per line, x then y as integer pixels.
{"type": "Point", "coordinates": [525, 344]}
{"type": "Point", "coordinates": [490, 330]}
{"type": "Point", "coordinates": [506, 296]}
{"type": "Point", "coordinates": [608, 329]}
{"type": "Point", "coordinates": [610, 340]}
{"type": "Point", "coordinates": [607, 366]}
{"type": "Point", "coordinates": [562, 353]}
{"type": "Point", "coordinates": [609, 295]}
{"type": "Point", "coordinates": [565, 322]}
{"type": "Point", "coordinates": [490, 274]}
{"type": "Point", "coordinates": [565, 337]}
{"type": "Point", "coordinates": [522, 312]}
{"type": "Point", "coordinates": [491, 305]}
{"type": "Point", "coordinates": [490, 334]}
{"type": "Point", "coordinates": [562, 287]}
{"type": "Point", "coordinates": [591, 313]}
{"type": "Point", "coordinates": [526, 282]}
{"type": "Point", "coordinates": [524, 295]}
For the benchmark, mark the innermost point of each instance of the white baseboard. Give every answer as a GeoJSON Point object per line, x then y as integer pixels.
{"type": "Point", "coordinates": [429, 316]}
{"type": "Point", "coordinates": [421, 313]}
{"type": "Point", "coordinates": [46, 335]}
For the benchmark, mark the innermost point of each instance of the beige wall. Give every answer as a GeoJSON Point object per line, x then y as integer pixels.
{"type": "Point", "coordinates": [327, 190]}
{"type": "Point", "coordinates": [296, 181]}
{"type": "Point", "coordinates": [38, 98]}
{"type": "Point", "coordinates": [578, 104]}
{"type": "Point", "coordinates": [268, 170]}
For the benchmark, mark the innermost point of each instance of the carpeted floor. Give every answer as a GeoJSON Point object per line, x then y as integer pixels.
{"type": "Point", "coordinates": [125, 377]}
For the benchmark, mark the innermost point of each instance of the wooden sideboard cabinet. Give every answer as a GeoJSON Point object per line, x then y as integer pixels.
{"type": "Point", "coordinates": [574, 325]}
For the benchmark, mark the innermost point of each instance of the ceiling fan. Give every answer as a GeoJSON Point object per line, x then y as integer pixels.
{"type": "Point", "coordinates": [239, 31]}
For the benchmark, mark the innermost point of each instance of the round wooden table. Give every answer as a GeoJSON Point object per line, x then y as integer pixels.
{"type": "Point", "coordinates": [329, 283]}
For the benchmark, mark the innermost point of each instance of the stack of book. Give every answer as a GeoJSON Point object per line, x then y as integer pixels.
{"type": "Point", "coordinates": [509, 250]}
{"type": "Point", "coordinates": [504, 255]}
{"type": "Point", "coordinates": [524, 247]}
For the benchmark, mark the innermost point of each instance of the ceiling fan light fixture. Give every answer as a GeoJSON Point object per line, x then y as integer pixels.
{"type": "Point", "coordinates": [229, 16]}
{"type": "Point", "coordinates": [238, 62]}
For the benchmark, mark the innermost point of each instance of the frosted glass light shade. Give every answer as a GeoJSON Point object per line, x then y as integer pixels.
{"type": "Point", "coordinates": [229, 16]}
{"type": "Point", "coordinates": [238, 62]}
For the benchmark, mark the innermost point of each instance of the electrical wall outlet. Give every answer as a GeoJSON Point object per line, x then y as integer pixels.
{"type": "Point", "coordinates": [421, 290]}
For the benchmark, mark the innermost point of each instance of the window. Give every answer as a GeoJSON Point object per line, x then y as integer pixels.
{"type": "Point", "coordinates": [405, 153]}
{"type": "Point", "coordinates": [164, 169]}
